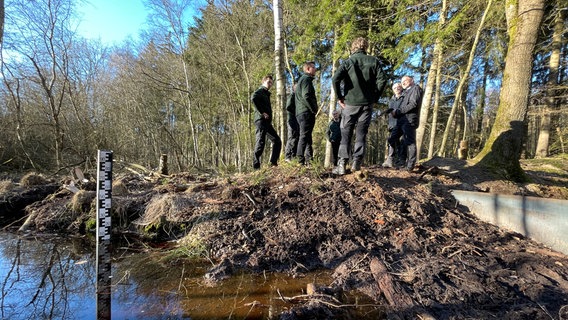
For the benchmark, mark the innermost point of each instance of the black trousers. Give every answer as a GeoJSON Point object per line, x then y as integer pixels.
{"type": "Point", "coordinates": [358, 119]}
{"type": "Point", "coordinates": [305, 151]}
{"type": "Point", "coordinates": [397, 151]}
{"type": "Point", "coordinates": [293, 135]}
{"type": "Point", "coordinates": [335, 152]}
{"type": "Point", "coordinates": [264, 129]}
{"type": "Point", "coordinates": [408, 133]}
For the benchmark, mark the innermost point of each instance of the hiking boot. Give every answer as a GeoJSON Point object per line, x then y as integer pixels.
{"type": "Point", "coordinates": [339, 169]}
{"type": "Point", "coordinates": [356, 166]}
{"type": "Point", "coordinates": [388, 163]}
{"type": "Point", "coordinates": [399, 164]}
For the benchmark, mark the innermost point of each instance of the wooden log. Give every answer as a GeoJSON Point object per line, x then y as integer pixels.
{"type": "Point", "coordinates": [395, 294]}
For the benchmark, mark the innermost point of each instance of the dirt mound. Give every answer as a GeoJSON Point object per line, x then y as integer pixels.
{"type": "Point", "coordinates": [398, 237]}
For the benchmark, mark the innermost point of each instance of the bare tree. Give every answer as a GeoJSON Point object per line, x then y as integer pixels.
{"type": "Point", "coordinates": [42, 35]}
{"type": "Point", "coordinates": [168, 16]}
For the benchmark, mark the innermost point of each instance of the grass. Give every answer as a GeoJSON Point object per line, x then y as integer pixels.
{"type": "Point", "coordinates": [557, 164]}
{"type": "Point", "coordinates": [190, 247]}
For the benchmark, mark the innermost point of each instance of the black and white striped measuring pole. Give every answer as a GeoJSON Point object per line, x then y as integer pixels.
{"type": "Point", "coordinates": [104, 197]}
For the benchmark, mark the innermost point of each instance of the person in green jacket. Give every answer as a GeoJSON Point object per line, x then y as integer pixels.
{"type": "Point", "coordinates": [334, 136]}
{"type": "Point", "coordinates": [263, 122]}
{"type": "Point", "coordinates": [363, 82]}
{"type": "Point", "coordinates": [306, 110]}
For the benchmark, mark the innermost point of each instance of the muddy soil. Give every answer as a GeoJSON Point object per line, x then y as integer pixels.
{"type": "Point", "coordinates": [398, 237]}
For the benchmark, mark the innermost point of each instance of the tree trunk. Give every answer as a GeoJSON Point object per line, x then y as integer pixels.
{"type": "Point", "coordinates": [332, 105]}
{"type": "Point", "coordinates": [436, 109]}
{"type": "Point", "coordinates": [280, 109]}
{"type": "Point", "coordinates": [464, 79]}
{"type": "Point", "coordinates": [504, 145]}
{"type": "Point", "coordinates": [432, 75]}
{"type": "Point", "coordinates": [554, 64]}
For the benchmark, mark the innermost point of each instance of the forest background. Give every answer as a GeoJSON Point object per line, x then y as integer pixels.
{"type": "Point", "coordinates": [183, 88]}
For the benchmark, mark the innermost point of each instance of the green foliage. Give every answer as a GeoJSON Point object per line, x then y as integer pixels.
{"type": "Point", "coordinates": [191, 98]}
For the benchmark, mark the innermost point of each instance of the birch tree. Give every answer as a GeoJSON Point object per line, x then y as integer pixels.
{"type": "Point", "coordinates": [279, 68]}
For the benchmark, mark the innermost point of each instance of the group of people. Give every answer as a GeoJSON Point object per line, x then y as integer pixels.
{"type": "Point", "coordinates": [358, 84]}
{"type": "Point", "coordinates": [302, 109]}
{"type": "Point", "coordinates": [403, 114]}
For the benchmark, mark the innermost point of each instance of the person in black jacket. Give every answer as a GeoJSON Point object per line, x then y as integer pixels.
{"type": "Point", "coordinates": [396, 155]}
{"type": "Point", "coordinates": [293, 127]}
{"type": "Point", "coordinates": [363, 83]}
{"type": "Point", "coordinates": [407, 116]}
{"type": "Point", "coordinates": [334, 136]}
{"type": "Point", "coordinates": [263, 122]}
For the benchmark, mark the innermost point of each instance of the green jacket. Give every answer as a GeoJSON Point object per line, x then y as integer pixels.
{"type": "Point", "coordinates": [291, 105]}
{"type": "Point", "coordinates": [306, 95]}
{"type": "Point", "coordinates": [363, 80]}
{"type": "Point", "coordinates": [334, 131]}
{"type": "Point", "coordinates": [261, 101]}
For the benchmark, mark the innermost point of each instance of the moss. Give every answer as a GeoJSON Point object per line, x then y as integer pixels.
{"type": "Point", "coordinates": [91, 225]}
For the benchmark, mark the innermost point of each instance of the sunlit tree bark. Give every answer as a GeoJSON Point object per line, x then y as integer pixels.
{"type": "Point", "coordinates": [431, 84]}
{"type": "Point", "coordinates": [504, 145]}
{"type": "Point", "coordinates": [553, 81]}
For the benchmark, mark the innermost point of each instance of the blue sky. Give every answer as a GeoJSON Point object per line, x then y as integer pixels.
{"type": "Point", "coordinates": [112, 21]}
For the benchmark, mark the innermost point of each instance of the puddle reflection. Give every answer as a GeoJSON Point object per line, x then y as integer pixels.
{"type": "Point", "coordinates": [52, 278]}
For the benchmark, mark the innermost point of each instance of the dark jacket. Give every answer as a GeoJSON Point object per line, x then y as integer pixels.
{"type": "Point", "coordinates": [306, 95]}
{"type": "Point", "coordinates": [291, 105]}
{"type": "Point", "coordinates": [363, 80]}
{"type": "Point", "coordinates": [410, 105]}
{"type": "Point", "coordinates": [394, 103]}
{"type": "Point", "coordinates": [261, 101]}
{"type": "Point", "coordinates": [334, 131]}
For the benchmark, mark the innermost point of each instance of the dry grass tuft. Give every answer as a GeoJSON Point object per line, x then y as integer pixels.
{"type": "Point", "coordinates": [168, 207]}
{"type": "Point", "coordinates": [82, 201]}
{"type": "Point", "coordinates": [6, 186]}
{"type": "Point", "coordinates": [33, 179]}
{"type": "Point", "coordinates": [119, 188]}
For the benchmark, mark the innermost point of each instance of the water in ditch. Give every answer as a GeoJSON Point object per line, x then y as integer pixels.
{"type": "Point", "coordinates": [54, 278]}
